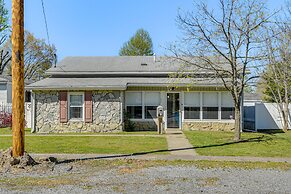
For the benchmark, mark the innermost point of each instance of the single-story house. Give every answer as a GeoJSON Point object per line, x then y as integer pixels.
{"type": "Point", "coordinates": [95, 94]}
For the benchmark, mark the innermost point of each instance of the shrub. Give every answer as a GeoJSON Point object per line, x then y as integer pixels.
{"type": "Point", "coordinates": [128, 124]}
{"type": "Point", "coordinates": [5, 119]}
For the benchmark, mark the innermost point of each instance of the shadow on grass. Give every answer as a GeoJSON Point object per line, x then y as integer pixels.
{"type": "Point", "coordinates": [271, 132]}
{"type": "Point", "coordinates": [256, 139]}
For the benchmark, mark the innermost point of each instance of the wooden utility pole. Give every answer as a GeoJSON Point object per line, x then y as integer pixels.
{"type": "Point", "coordinates": [17, 77]}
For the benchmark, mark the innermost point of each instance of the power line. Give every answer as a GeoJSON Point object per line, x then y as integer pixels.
{"type": "Point", "coordinates": [47, 31]}
{"type": "Point", "coordinates": [45, 21]}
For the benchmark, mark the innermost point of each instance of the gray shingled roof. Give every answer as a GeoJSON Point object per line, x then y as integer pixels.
{"type": "Point", "coordinates": [118, 73]}
{"type": "Point", "coordinates": [118, 64]}
{"type": "Point", "coordinates": [116, 83]}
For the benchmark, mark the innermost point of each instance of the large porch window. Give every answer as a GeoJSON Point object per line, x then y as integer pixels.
{"type": "Point", "coordinates": [227, 106]}
{"type": "Point", "coordinates": [134, 104]}
{"type": "Point", "coordinates": [210, 105]}
{"type": "Point", "coordinates": [192, 105]}
{"type": "Point", "coordinates": [142, 105]}
{"type": "Point", "coordinates": [151, 102]}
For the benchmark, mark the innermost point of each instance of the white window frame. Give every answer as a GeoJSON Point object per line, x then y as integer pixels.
{"type": "Point", "coordinates": [83, 112]}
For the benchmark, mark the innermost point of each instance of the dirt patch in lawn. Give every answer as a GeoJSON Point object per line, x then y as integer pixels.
{"type": "Point", "coordinates": [8, 162]}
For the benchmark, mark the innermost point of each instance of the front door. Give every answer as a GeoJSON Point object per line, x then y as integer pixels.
{"type": "Point", "coordinates": [173, 107]}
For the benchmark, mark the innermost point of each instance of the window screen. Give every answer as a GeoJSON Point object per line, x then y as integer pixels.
{"type": "Point", "coordinates": [210, 105]}
{"type": "Point", "coordinates": [152, 101]}
{"type": "Point", "coordinates": [192, 105]}
{"type": "Point", "coordinates": [227, 106]}
{"type": "Point", "coordinates": [134, 104]}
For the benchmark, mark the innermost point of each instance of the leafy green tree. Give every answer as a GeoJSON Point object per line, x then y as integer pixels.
{"type": "Point", "coordinates": [5, 56]}
{"type": "Point", "coordinates": [38, 57]}
{"type": "Point", "coordinates": [139, 45]}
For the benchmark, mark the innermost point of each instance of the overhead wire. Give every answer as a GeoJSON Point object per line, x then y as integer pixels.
{"type": "Point", "coordinates": [47, 31]}
{"type": "Point", "coordinates": [45, 21]}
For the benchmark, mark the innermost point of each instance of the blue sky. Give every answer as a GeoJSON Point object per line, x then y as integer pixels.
{"type": "Point", "coordinates": [100, 27]}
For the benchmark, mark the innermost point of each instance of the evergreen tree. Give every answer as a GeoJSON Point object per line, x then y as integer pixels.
{"type": "Point", "coordinates": [139, 45]}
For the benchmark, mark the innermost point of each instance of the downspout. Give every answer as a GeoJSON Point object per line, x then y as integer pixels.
{"type": "Point", "coordinates": [121, 109]}
{"type": "Point", "coordinates": [33, 130]}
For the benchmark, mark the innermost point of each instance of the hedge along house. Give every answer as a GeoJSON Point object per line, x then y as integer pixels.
{"type": "Point", "coordinates": [94, 94]}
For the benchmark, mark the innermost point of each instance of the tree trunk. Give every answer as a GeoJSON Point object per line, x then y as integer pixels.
{"type": "Point", "coordinates": [237, 123]}
{"type": "Point", "coordinates": [285, 117]}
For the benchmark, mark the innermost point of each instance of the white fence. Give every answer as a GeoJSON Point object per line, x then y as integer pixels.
{"type": "Point", "coordinates": [6, 112]}
{"type": "Point", "coordinates": [6, 107]}
{"type": "Point", "coordinates": [268, 116]}
{"type": "Point", "coordinates": [263, 116]}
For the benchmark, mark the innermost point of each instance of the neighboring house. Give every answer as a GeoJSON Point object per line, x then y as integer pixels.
{"type": "Point", "coordinates": [5, 89]}
{"type": "Point", "coordinates": [92, 94]}
{"type": "Point", "coordinates": [6, 101]}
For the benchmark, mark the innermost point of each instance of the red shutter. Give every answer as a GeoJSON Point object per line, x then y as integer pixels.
{"type": "Point", "coordinates": [63, 107]}
{"type": "Point", "coordinates": [88, 107]}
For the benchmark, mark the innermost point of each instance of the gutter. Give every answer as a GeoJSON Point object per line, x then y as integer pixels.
{"type": "Point", "coordinates": [76, 88]}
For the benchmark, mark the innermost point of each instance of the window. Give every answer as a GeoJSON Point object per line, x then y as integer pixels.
{"type": "Point", "coordinates": [134, 112]}
{"type": "Point", "coordinates": [227, 109]}
{"type": "Point", "coordinates": [151, 102]}
{"type": "Point", "coordinates": [3, 87]}
{"type": "Point", "coordinates": [142, 105]}
{"type": "Point", "coordinates": [227, 112]}
{"type": "Point", "coordinates": [192, 105]}
{"type": "Point", "coordinates": [134, 104]}
{"type": "Point", "coordinates": [76, 103]}
{"type": "Point", "coordinates": [191, 112]}
{"type": "Point", "coordinates": [210, 105]}
{"type": "Point", "coordinates": [27, 96]}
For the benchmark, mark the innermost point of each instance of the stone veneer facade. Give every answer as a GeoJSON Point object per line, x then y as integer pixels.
{"type": "Point", "coordinates": [208, 126]}
{"type": "Point", "coordinates": [106, 116]}
{"type": "Point", "coordinates": [106, 113]}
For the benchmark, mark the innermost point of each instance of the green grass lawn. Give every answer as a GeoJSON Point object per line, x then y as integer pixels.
{"type": "Point", "coordinates": [8, 131]}
{"type": "Point", "coordinates": [87, 144]}
{"type": "Point", "coordinates": [256, 144]}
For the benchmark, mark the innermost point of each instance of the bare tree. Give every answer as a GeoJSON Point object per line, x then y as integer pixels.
{"type": "Point", "coordinates": [224, 42]}
{"type": "Point", "coordinates": [276, 80]}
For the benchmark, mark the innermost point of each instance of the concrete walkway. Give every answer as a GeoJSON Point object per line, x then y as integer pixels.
{"type": "Point", "coordinates": [179, 144]}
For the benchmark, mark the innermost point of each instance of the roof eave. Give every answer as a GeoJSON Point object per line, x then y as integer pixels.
{"type": "Point", "coordinates": [74, 88]}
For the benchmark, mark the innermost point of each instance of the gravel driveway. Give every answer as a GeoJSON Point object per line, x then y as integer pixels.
{"type": "Point", "coordinates": [87, 177]}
